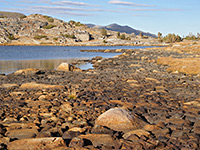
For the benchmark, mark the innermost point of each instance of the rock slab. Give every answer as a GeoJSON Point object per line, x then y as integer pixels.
{"type": "Point", "coordinates": [36, 143]}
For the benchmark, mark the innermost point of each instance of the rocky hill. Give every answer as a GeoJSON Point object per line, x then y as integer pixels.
{"type": "Point", "coordinates": [119, 28]}
{"type": "Point", "coordinates": [18, 29]}
{"type": "Point", "coordinates": [4, 14]}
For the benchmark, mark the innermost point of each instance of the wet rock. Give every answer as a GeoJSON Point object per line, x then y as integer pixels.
{"type": "Point", "coordinates": [36, 143]}
{"type": "Point", "coordinates": [119, 119]}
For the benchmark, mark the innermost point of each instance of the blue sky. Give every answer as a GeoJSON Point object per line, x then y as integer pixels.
{"type": "Point", "coordinates": [165, 16]}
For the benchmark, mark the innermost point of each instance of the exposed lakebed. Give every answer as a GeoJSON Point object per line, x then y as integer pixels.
{"type": "Point", "coordinates": [13, 58]}
{"type": "Point", "coordinates": [126, 102]}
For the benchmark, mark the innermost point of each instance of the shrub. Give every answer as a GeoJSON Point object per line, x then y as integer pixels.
{"type": "Point", "coordinates": [11, 37]}
{"type": "Point", "coordinates": [72, 36]}
{"type": "Point", "coordinates": [49, 19]}
{"type": "Point", "coordinates": [103, 32]}
{"type": "Point", "coordinates": [72, 22]}
{"type": "Point", "coordinates": [49, 26]}
{"type": "Point", "coordinates": [104, 41]}
{"type": "Point", "coordinates": [171, 38]}
{"type": "Point", "coordinates": [118, 34]}
{"type": "Point", "coordinates": [22, 17]}
{"type": "Point", "coordinates": [192, 37]}
{"type": "Point", "coordinates": [55, 38]}
{"type": "Point", "coordinates": [159, 35]}
{"type": "Point", "coordinates": [39, 37]}
{"type": "Point", "coordinates": [79, 24]}
{"type": "Point", "coordinates": [122, 37]}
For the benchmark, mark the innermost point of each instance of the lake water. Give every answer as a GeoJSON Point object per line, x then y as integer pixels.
{"type": "Point", "coordinates": [13, 58]}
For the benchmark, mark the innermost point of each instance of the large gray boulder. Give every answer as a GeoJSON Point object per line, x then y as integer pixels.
{"type": "Point", "coordinates": [119, 119]}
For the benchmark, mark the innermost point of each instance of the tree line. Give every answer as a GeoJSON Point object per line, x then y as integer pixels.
{"type": "Point", "coordinates": [171, 38]}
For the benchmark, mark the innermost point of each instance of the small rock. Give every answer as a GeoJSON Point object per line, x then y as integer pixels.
{"type": "Point", "coordinates": [70, 134]}
{"type": "Point", "coordinates": [100, 139]}
{"type": "Point", "coordinates": [76, 142]}
{"type": "Point", "coordinates": [107, 51]}
{"type": "Point", "coordinates": [138, 132]}
{"type": "Point", "coordinates": [118, 50]}
{"type": "Point", "coordinates": [77, 129]}
{"type": "Point", "coordinates": [149, 127]}
{"type": "Point", "coordinates": [66, 107]}
{"type": "Point", "coordinates": [132, 81]}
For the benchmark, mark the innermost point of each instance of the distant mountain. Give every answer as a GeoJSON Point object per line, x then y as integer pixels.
{"type": "Point", "coordinates": [119, 28]}
{"type": "Point", "coordinates": [4, 14]}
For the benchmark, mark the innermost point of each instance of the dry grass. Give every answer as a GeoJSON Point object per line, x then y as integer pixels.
{"type": "Point", "coordinates": [185, 65]}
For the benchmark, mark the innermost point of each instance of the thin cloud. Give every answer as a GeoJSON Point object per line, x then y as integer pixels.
{"type": "Point", "coordinates": [34, 2]}
{"type": "Point", "coordinates": [57, 8]}
{"type": "Point", "coordinates": [164, 9]}
{"type": "Point", "coordinates": [119, 2]}
{"type": "Point", "coordinates": [140, 15]}
{"type": "Point", "coordinates": [49, 11]}
{"type": "Point", "coordinates": [60, 3]}
{"type": "Point", "coordinates": [70, 3]}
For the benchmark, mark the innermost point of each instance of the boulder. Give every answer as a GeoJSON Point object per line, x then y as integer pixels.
{"type": "Point", "coordinates": [83, 36]}
{"type": "Point", "coordinates": [36, 143]}
{"type": "Point", "coordinates": [119, 119]}
{"type": "Point", "coordinates": [67, 67]}
{"type": "Point", "coordinates": [28, 71]}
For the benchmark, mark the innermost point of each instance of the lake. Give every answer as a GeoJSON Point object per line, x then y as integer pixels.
{"type": "Point", "coordinates": [13, 58]}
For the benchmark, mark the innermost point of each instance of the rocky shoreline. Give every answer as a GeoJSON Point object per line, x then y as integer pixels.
{"type": "Point", "coordinates": [126, 102]}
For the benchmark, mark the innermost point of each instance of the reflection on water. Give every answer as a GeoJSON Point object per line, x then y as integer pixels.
{"type": "Point", "coordinates": [12, 66]}
{"type": "Point", "coordinates": [13, 58]}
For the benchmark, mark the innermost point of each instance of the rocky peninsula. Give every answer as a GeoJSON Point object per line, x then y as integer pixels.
{"type": "Point", "coordinates": [132, 101]}
{"type": "Point", "coordinates": [37, 29]}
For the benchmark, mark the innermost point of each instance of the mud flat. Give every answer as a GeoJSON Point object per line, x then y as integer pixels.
{"type": "Point", "coordinates": [131, 101]}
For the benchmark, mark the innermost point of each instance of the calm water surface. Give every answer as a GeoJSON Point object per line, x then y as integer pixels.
{"type": "Point", "coordinates": [13, 58]}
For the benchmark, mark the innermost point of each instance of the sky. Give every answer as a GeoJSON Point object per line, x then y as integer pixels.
{"type": "Point", "coordinates": [165, 16]}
